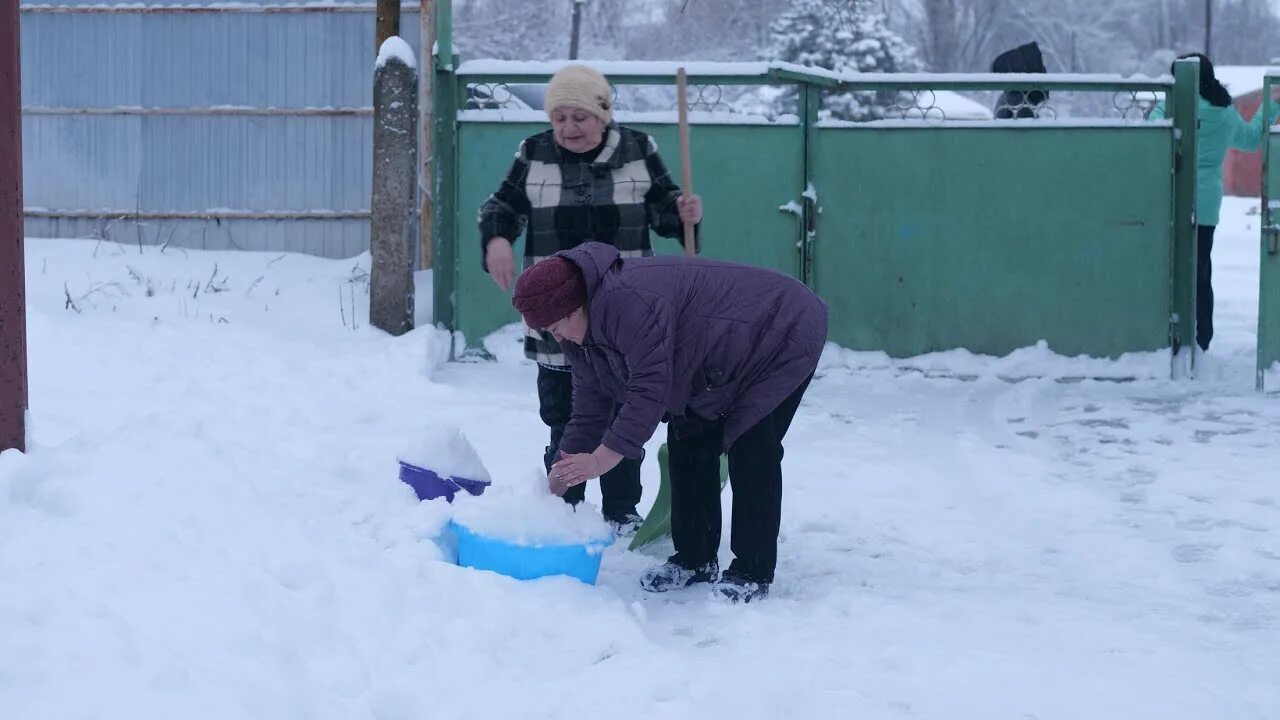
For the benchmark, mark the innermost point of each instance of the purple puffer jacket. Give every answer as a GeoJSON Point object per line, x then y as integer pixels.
{"type": "Point", "coordinates": [685, 338]}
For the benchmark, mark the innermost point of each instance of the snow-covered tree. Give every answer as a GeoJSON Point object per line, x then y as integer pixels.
{"type": "Point", "coordinates": [844, 36]}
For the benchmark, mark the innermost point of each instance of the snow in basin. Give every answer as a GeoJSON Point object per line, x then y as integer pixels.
{"type": "Point", "coordinates": [526, 513]}
{"type": "Point", "coordinates": [446, 451]}
{"type": "Point", "coordinates": [396, 47]}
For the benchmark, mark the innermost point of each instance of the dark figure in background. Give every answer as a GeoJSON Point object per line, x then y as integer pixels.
{"type": "Point", "coordinates": [1020, 103]}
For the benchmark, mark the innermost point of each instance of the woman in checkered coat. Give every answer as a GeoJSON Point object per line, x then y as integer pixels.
{"type": "Point", "coordinates": [585, 179]}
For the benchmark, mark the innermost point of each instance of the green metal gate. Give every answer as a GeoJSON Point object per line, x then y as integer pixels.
{"type": "Point", "coordinates": [1269, 272]}
{"type": "Point", "coordinates": [995, 236]}
{"type": "Point", "coordinates": [922, 233]}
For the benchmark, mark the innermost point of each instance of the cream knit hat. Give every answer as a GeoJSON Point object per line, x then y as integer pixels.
{"type": "Point", "coordinates": [579, 86]}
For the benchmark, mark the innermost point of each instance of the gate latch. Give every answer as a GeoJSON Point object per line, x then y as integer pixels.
{"type": "Point", "coordinates": [1271, 239]}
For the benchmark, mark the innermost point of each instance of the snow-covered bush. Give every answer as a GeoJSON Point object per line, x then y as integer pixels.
{"type": "Point", "coordinates": [844, 36]}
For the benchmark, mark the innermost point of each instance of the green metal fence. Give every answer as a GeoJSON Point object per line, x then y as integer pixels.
{"type": "Point", "coordinates": [923, 233]}
{"type": "Point", "coordinates": [994, 236]}
{"type": "Point", "coordinates": [1269, 280]}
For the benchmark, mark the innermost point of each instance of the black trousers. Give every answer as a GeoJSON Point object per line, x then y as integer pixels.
{"type": "Point", "coordinates": [1204, 285]}
{"type": "Point", "coordinates": [620, 487]}
{"type": "Point", "coordinates": [755, 473]}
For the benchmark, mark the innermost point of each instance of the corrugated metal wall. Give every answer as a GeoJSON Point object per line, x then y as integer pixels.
{"type": "Point", "coordinates": [201, 126]}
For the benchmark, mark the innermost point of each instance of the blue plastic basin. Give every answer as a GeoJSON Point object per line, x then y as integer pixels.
{"type": "Point", "coordinates": [527, 562]}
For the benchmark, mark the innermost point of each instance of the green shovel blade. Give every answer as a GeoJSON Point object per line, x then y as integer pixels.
{"type": "Point", "coordinates": [657, 523]}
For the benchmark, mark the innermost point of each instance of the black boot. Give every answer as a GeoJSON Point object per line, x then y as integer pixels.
{"type": "Point", "coordinates": [619, 494]}
{"type": "Point", "coordinates": [739, 589]}
{"type": "Point", "coordinates": [626, 524]}
{"type": "Point", "coordinates": [675, 574]}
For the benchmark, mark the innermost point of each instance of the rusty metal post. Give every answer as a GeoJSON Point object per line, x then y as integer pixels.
{"type": "Point", "coordinates": [387, 22]}
{"type": "Point", "coordinates": [426, 138]}
{"type": "Point", "coordinates": [13, 300]}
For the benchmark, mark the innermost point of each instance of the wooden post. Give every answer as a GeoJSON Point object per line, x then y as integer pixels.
{"type": "Point", "coordinates": [686, 165]}
{"type": "Point", "coordinates": [388, 21]}
{"type": "Point", "coordinates": [13, 299]}
{"type": "Point", "coordinates": [426, 129]}
{"type": "Point", "coordinates": [395, 171]}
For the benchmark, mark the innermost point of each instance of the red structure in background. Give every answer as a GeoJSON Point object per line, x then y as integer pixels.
{"type": "Point", "coordinates": [13, 300]}
{"type": "Point", "coordinates": [1242, 171]}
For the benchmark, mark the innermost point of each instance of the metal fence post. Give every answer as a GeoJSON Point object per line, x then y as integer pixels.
{"type": "Point", "coordinates": [1182, 321]}
{"type": "Point", "coordinates": [447, 89]}
{"type": "Point", "coordinates": [810, 106]}
{"type": "Point", "coordinates": [1268, 351]}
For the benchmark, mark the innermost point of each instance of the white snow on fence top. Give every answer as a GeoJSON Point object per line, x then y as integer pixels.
{"type": "Point", "coordinates": [671, 117]}
{"type": "Point", "coordinates": [1243, 80]}
{"type": "Point", "coordinates": [621, 68]}
{"type": "Point", "coordinates": [1029, 79]}
{"type": "Point", "coordinates": [625, 68]}
{"type": "Point", "coordinates": [1271, 376]}
{"type": "Point", "coordinates": [1011, 124]}
{"type": "Point", "coordinates": [957, 115]}
{"type": "Point", "coordinates": [396, 47]}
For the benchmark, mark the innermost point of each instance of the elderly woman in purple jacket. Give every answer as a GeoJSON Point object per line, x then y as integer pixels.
{"type": "Point", "coordinates": [722, 352]}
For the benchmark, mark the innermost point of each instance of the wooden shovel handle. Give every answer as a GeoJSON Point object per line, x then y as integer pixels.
{"type": "Point", "coordinates": [686, 168]}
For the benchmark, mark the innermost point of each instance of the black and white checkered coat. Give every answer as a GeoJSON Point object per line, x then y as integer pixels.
{"type": "Point", "coordinates": [563, 200]}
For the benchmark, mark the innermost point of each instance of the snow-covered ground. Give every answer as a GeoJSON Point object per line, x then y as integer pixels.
{"type": "Point", "coordinates": [209, 525]}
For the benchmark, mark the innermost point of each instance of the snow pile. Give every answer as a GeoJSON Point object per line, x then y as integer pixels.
{"type": "Point", "coordinates": [396, 48]}
{"type": "Point", "coordinates": [438, 343]}
{"type": "Point", "coordinates": [1037, 361]}
{"type": "Point", "coordinates": [444, 450]}
{"type": "Point", "coordinates": [527, 513]}
{"type": "Point", "coordinates": [953, 105]}
{"type": "Point", "coordinates": [1271, 378]}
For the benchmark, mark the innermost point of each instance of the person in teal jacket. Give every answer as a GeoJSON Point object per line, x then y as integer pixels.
{"type": "Point", "coordinates": [1221, 128]}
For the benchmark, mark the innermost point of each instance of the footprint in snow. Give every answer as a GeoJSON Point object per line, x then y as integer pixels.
{"type": "Point", "coordinates": [1195, 553]}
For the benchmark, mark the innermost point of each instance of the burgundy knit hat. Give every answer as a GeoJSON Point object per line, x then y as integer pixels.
{"type": "Point", "coordinates": [549, 291]}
